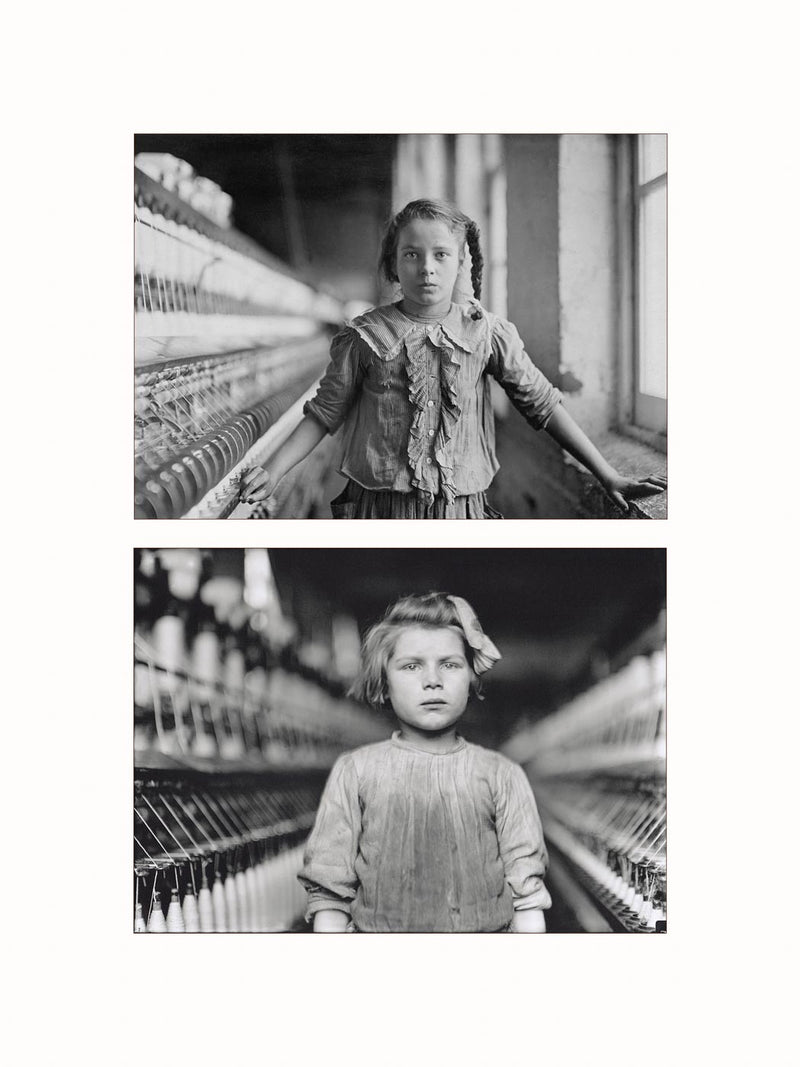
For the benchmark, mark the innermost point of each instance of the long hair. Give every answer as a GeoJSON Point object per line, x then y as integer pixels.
{"type": "Point", "coordinates": [431, 610]}
{"type": "Point", "coordinates": [461, 225]}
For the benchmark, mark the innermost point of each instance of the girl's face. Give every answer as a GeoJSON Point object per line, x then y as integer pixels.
{"type": "Point", "coordinates": [428, 678]}
{"type": "Point", "coordinates": [427, 260]}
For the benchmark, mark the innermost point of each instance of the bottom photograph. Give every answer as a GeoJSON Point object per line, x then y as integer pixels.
{"type": "Point", "coordinates": [399, 740]}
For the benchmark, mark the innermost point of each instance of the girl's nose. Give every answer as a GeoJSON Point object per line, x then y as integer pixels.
{"type": "Point", "coordinates": [432, 680]}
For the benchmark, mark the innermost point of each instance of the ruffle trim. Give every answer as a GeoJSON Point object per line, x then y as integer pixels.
{"type": "Point", "coordinates": [450, 410]}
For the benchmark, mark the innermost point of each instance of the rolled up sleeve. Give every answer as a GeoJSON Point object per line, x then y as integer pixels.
{"type": "Point", "coordinates": [521, 839]}
{"type": "Point", "coordinates": [340, 384]}
{"type": "Point", "coordinates": [527, 388]}
{"type": "Point", "coordinates": [328, 872]}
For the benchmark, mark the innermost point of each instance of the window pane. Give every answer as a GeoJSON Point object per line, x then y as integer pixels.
{"type": "Point", "coordinates": [653, 292]}
{"type": "Point", "coordinates": [652, 156]}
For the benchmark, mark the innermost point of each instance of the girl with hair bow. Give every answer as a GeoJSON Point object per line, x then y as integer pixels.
{"type": "Point", "coordinates": [426, 832]}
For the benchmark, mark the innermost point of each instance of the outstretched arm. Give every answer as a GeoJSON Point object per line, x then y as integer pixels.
{"type": "Point", "coordinates": [260, 482]}
{"type": "Point", "coordinates": [563, 429]}
{"type": "Point", "coordinates": [325, 413]}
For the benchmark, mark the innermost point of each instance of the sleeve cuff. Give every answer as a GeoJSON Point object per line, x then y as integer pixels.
{"type": "Point", "coordinates": [311, 408]}
{"type": "Point", "coordinates": [540, 421]}
{"type": "Point", "coordinates": [538, 899]}
{"type": "Point", "coordinates": [326, 904]}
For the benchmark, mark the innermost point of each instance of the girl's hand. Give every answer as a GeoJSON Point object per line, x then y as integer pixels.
{"type": "Point", "coordinates": [331, 921]}
{"type": "Point", "coordinates": [256, 486]}
{"type": "Point", "coordinates": [621, 489]}
{"type": "Point", "coordinates": [528, 921]}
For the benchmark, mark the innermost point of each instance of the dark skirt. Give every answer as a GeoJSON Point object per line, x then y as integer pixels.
{"type": "Point", "coordinates": [356, 502]}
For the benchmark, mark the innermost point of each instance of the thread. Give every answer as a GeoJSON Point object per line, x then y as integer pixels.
{"type": "Point", "coordinates": [156, 923]}
{"type": "Point", "coordinates": [219, 906]}
{"type": "Point", "coordinates": [251, 885]}
{"type": "Point", "coordinates": [261, 895]}
{"type": "Point", "coordinates": [191, 913]}
{"type": "Point", "coordinates": [240, 882]}
{"type": "Point", "coordinates": [205, 907]}
{"type": "Point", "coordinates": [231, 907]}
{"type": "Point", "coordinates": [174, 915]}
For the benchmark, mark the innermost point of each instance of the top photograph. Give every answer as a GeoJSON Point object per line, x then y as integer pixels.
{"type": "Point", "coordinates": [400, 326]}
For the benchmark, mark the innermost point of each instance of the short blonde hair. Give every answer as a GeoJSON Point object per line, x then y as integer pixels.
{"type": "Point", "coordinates": [435, 611]}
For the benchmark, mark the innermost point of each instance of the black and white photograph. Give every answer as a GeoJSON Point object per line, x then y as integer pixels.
{"type": "Point", "coordinates": [400, 326]}
{"type": "Point", "coordinates": [399, 740]}
{"type": "Point", "coordinates": [443, 262]}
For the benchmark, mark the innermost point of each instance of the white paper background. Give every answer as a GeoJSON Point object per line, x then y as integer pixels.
{"type": "Point", "coordinates": [80, 80]}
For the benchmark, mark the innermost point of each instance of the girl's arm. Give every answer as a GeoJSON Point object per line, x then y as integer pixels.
{"type": "Point", "coordinates": [537, 400]}
{"type": "Point", "coordinates": [260, 482]}
{"type": "Point", "coordinates": [563, 429]}
{"type": "Point", "coordinates": [328, 872]}
{"type": "Point", "coordinates": [325, 413]}
{"type": "Point", "coordinates": [522, 848]}
{"type": "Point", "coordinates": [330, 921]}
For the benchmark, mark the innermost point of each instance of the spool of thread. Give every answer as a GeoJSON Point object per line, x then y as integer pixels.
{"type": "Point", "coordinates": [169, 642]}
{"type": "Point", "coordinates": [219, 906]}
{"type": "Point", "coordinates": [231, 908]}
{"type": "Point", "coordinates": [203, 746]}
{"type": "Point", "coordinates": [205, 656]}
{"type": "Point", "coordinates": [191, 914]}
{"type": "Point", "coordinates": [251, 885]}
{"type": "Point", "coordinates": [205, 907]}
{"type": "Point", "coordinates": [156, 924]}
{"type": "Point", "coordinates": [280, 872]}
{"type": "Point", "coordinates": [270, 917]}
{"type": "Point", "coordinates": [139, 925]}
{"type": "Point", "coordinates": [234, 669]}
{"type": "Point", "coordinates": [261, 903]}
{"type": "Point", "coordinates": [242, 902]}
{"type": "Point", "coordinates": [174, 915]}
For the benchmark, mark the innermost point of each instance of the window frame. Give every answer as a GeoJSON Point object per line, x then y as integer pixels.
{"type": "Point", "coordinates": [640, 414]}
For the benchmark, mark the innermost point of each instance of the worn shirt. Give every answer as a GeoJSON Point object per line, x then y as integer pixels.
{"type": "Point", "coordinates": [414, 398]}
{"type": "Point", "coordinates": [409, 840]}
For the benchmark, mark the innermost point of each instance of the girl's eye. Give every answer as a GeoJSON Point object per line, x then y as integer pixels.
{"type": "Point", "coordinates": [409, 667]}
{"type": "Point", "coordinates": [443, 254]}
{"type": "Point", "coordinates": [451, 665]}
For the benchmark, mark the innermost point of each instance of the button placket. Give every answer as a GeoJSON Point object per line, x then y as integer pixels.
{"type": "Point", "coordinates": [430, 403]}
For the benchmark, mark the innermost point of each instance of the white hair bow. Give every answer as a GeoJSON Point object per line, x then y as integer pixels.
{"type": "Point", "coordinates": [485, 652]}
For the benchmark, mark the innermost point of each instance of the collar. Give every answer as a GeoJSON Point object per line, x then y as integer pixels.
{"type": "Point", "coordinates": [398, 740]}
{"type": "Point", "coordinates": [386, 328]}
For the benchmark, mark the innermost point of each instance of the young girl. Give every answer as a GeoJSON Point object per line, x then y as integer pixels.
{"type": "Point", "coordinates": [426, 832]}
{"type": "Point", "coordinates": [410, 383]}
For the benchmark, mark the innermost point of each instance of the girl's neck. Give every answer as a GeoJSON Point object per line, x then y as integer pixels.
{"type": "Point", "coordinates": [425, 314]}
{"type": "Point", "coordinates": [436, 742]}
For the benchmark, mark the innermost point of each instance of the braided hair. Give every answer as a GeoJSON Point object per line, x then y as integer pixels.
{"type": "Point", "coordinates": [460, 224]}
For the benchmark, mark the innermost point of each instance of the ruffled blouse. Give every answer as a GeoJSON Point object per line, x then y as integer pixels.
{"type": "Point", "coordinates": [410, 840]}
{"type": "Point", "coordinates": [414, 398]}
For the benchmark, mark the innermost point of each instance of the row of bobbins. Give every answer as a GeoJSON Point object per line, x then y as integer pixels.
{"type": "Point", "coordinates": [219, 861]}
{"type": "Point", "coordinates": [229, 892]}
